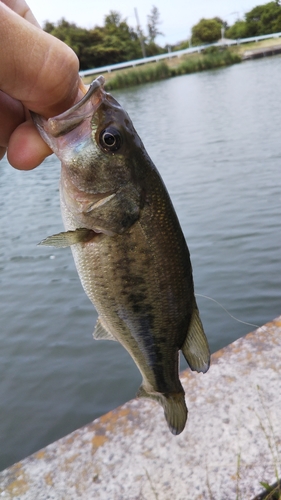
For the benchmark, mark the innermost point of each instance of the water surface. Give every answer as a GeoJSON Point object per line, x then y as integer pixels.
{"type": "Point", "coordinates": [215, 138]}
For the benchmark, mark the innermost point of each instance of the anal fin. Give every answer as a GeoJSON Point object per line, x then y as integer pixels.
{"type": "Point", "coordinates": [101, 333]}
{"type": "Point", "coordinates": [195, 347]}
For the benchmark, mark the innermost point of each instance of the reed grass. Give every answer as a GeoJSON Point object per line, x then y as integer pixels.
{"type": "Point", "coordinates": [210, 58]}
{"type": "Point", "coordinates": [135, 76]}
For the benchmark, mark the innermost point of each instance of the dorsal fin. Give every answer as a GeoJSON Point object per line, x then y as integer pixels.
{"type": "Point", "coordinates": [101, 333]}
{"type": "Point", "coordinates": [195, 347]}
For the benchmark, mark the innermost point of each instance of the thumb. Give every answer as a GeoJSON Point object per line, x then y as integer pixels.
{"type": "Point", "coordinates": [36, 68]}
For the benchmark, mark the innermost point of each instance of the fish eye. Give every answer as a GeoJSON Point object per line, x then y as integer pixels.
{"type": "Point", "coordinates": [110, 139]}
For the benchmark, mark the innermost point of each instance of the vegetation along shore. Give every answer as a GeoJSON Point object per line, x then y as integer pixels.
{"type": "Point", "coordinates": [117, 42]}
{"type": "Point", "coordinates": [210, 58]}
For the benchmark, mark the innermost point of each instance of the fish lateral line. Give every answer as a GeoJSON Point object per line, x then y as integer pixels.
{"type": "Point", "coordinates": [229, 314]}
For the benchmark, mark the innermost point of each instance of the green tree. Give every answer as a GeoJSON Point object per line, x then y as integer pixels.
{"type": "Point", "coordinates": [207, 31]}
{"type": "Point", "coordinates": [153, 21]}
{"type": "Point", "coordinates": [152, 25]}
{"type": "Point", "coordinates": [264, 19]}
{"type": "Point", "coordinates": [112, 43]}
{"type": "Point", "coordinates": [237, 30]}
{"type": "Point", "coordinates": [122, 40]}
{"type": "Point", "coordinates": [261, 20]}
{"type": "Point", "coordinates": [113, 19]}
{"type": "Point", "coordinates": [79, 39]}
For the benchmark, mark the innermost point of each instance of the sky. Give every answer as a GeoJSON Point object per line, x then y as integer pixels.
{"type": "Point", "coordinates": [177, 16]}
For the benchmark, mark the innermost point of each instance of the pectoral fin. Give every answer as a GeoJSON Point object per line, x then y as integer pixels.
{"type": "Point", "coordinates": [68, 238]}
{"type": "Point", "coordinates": [117, 212]}
{"type": "Point", "coordinates": [101, 333]}
{"type": "Point", "coordinates": [195, 347]}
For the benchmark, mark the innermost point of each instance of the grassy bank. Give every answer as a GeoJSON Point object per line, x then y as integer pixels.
{"type": "Point", "coordinates": [210, 58]}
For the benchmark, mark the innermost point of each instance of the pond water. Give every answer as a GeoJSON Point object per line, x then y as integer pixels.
{"type": "Point", "coordinates": [215, 138]}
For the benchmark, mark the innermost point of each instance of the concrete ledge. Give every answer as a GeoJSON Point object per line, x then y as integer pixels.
{"type": "Point", "coordinates": [261, 52]}
{"type": "Point", "coordinates": [231, 443]}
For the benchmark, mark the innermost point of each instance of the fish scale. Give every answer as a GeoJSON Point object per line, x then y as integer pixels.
{"type": "Point", "coordinates": [128, 246]}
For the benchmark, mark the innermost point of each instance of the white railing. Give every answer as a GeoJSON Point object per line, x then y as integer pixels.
{"type": "Point", "coordinates": [177, 53]}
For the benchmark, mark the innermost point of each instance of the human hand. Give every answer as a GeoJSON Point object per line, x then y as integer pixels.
{"type": "Point", "coordinates": [37, 72]}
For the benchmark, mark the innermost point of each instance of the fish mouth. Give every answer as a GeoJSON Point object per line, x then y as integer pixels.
{"type": "Point", "coordinates": [79, 115]}
{"type": "Point", "coordinates": [70, 119]}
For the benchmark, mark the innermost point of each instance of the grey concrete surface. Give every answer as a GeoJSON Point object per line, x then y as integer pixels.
{"type": "Point", "coordinates": [232, 440]}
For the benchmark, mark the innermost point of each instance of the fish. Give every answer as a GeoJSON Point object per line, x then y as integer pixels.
{"type": "Point", "coordinates": [128, 245]}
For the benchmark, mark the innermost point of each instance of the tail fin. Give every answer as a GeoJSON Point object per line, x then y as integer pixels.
{"type": "Point", "coordinates": [174, 406]}
{"type": "Point", "coordinates": [195, 347]}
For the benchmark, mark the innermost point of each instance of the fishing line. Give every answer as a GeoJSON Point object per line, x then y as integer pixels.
{"type": "Point", "coordinates": [233, 317]}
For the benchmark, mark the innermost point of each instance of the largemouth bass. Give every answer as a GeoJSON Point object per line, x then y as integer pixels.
{"type": "Point", "coordinates": [128, 245]}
